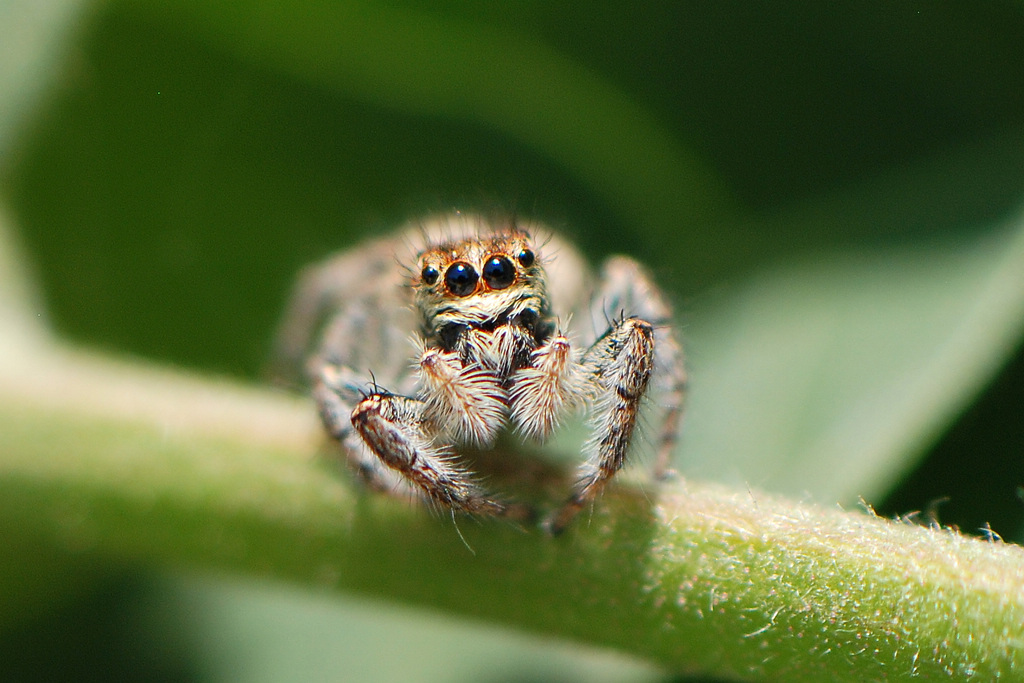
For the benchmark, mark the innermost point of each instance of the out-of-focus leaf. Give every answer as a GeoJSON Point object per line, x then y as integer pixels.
{"type": "Point", "coordinates": [431, 64]}
{"type": "Point", "coordinates": [828, 378]}
{"type": "Point", "coordinates": [253, 633]}
{"type": "Point", "coordinates": [31, 45]}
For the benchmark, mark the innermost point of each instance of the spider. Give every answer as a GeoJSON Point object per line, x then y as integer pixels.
{"type": "Point", "coordinates": [487, 304]}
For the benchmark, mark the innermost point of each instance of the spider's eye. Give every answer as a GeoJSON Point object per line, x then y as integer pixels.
{"type": "Point", "coordinates": [499, 272]}
{"type": "Point", "coordinates": [429, 275]}
{"type": "Point", "coordinates": [460, 279]}
{"type": "Point", "coordinates": [525, 258]}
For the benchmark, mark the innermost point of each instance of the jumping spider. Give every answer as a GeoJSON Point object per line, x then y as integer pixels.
{"type": "Point", "coordinates": [488, 305]}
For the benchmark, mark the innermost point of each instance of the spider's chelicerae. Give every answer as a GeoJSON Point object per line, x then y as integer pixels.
{"type": "Point", "coordinates": [488, 306]}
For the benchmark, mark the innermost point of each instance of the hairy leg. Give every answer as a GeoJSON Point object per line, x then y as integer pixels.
{"type": "Point", "coordinates": [619, 367]}
{"type": "Point", "coordinates": [337, 390]}
{"type": "Point", "coordinates": [393, 428]}
{"type": "Point", "coordinates": [627, 289]}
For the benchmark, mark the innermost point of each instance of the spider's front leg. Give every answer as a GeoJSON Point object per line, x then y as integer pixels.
{"type": "Point", "coordinates": [619, 367]}
{"type": "Point", "coordinates": [392, 444]}
{"type": "Point", "coordinates": [395, 430]}
{"type": "Point", "coordinates": [626, 286]}
{"type": "Point", "coordinates": [337, 390]}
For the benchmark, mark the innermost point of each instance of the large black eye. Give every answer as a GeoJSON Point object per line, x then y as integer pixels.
{"type": "Point", "coordinates": [460, 279]}
{"type": "Point", "coordinates": [499, 272]}
{"type": "Point", "coordinates": [429, 275]}
{"type": "Point", "coordinates": [525, 257]}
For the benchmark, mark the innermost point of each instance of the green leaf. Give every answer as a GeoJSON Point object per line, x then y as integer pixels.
{"type": "Point", "coordinates": [436, 64]}
{"type": "Point", "coordinates": [827, 379]}
{"type": "Point", "coordinates": [33, 36]}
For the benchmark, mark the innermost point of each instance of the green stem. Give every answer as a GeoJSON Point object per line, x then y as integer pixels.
{"type": "Point", "coordinates": [107, 460]}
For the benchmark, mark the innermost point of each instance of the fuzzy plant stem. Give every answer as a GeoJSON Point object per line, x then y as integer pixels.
{"type": "Point", "coordinates": [107, 462]}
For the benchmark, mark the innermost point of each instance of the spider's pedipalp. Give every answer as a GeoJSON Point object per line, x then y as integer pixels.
{"type": "Point", "coordinates": [543, 391]}
{"type": "Point", "coordinates": [466, 401]}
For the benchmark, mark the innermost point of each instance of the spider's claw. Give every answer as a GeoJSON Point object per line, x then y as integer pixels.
{"type": "Point", "coordinates": [558, 521]}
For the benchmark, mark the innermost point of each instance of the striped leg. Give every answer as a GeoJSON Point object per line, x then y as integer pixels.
{"type": "Point", "coordinates": [619, 367]}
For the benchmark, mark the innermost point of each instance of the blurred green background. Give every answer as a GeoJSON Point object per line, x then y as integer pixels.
{"type": "Point", "coordinates": [176, 162]}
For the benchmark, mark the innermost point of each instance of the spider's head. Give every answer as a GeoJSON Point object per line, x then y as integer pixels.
{"type": "Point", "coordinates": [483, 281]}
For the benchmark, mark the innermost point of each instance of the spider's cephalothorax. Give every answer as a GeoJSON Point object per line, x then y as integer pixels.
{"type": "Point", "coordinates": [486, 304]}
{"type": "Point", "coordinates": [484, 299]}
